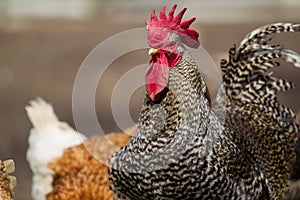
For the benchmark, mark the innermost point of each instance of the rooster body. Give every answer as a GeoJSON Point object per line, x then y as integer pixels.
{"type": "Point", "coordinates": [184, 149]}
{"type": "Point", "coordinates": [181, 158]}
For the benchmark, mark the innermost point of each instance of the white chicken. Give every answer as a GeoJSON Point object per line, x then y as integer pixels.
{"type": "Point", "coordinates": [48, 138]}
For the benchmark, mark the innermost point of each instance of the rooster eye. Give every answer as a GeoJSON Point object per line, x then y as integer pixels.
{"type": "Point", "coordinates": [170, 55]}
{"type": "Point", "coordinates": [167, 55]}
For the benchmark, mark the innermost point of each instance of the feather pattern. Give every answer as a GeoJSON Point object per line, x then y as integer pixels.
{"type": "Point", "coordinates": [183, 150]}
{"type": "Point", "coordinates": [255, 118]}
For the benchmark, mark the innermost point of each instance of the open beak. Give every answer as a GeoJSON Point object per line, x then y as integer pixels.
{"type": "Point", "coordinates": [152, 51]}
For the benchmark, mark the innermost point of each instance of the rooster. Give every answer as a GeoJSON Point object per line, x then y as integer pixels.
{"type": "Point", "coordinates": [184, 147]}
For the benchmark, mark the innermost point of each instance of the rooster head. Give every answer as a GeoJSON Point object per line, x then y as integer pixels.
{"type": "Point", "coordinates": [165, 33]}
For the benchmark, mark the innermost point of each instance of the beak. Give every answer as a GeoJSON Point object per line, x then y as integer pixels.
{"type": "Point", "coordinates": [152, 51]}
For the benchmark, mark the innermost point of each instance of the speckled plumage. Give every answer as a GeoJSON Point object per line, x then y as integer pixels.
{"type": "Point", "coordinates": [7, 182]}
{"type": "Point", "coordinates": [184, 149]}
{"type": "Point", "coordinates": [262, 127]}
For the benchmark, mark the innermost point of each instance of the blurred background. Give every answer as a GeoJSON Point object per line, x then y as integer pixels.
{"type": "Point", "coordinates": [43, 43]}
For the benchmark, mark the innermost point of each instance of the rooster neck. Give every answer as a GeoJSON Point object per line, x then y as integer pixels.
{"type": "Point", "coordinates": [179, 111]}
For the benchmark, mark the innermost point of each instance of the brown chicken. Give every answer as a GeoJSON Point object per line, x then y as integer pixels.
{"type": "Point", "coordinates": [7, 182]}
{"type": "Point", "coordinates": [81, 174]}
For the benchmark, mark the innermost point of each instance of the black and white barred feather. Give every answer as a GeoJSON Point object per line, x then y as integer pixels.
{"type": "Point", "coordinates": [182, 150]}
{"type": "Point", "coordinates": [258, 122]}
{"type": "Point", "coordinates": [246, 76]}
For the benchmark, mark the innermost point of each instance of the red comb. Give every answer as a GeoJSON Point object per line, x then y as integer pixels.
{"type": "Point", "coordinates": [188, 36]}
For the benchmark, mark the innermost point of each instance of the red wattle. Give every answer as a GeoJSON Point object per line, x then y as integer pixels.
{"type": "Point", "coordinates": [157, 75]}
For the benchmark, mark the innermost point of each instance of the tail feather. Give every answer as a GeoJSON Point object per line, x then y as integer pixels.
{"type": "Point", "coordinates": [40, 113]}
{"type": "Point", "coordinates": [264, 34]}
{"type": "Point", "coordinates": [291, 57]}
{"type": "Point", "coordinates": [245, 73]}
{"type": "Point", "coordinates": [259, 123]}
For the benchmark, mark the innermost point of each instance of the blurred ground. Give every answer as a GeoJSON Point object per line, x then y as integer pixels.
{"type": "Point", "coordinates": [41, 56]}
